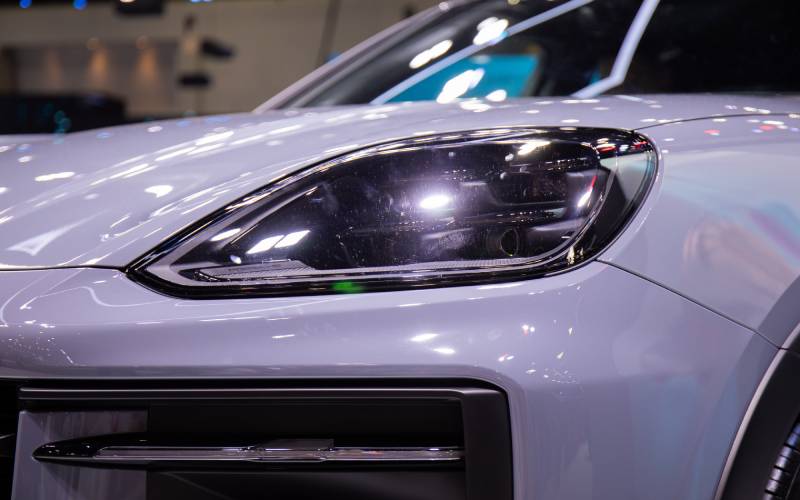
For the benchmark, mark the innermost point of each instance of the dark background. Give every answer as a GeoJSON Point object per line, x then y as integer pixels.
{"type": "Point", "coordinates": [68, 65]}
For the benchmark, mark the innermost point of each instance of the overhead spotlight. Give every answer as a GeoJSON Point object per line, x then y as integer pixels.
{"type": "Point", "coordinates": [140, 7]}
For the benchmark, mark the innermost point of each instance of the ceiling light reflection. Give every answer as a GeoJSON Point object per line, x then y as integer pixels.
{"type": "Point", "coordinates": [434, 202]}
{"type": "Point", "coordinates": [292, 239]}
{"type": "Point", "coordinates": [159, 190]}
{"type": "Point", "coordinates": [584, 199]}
{"type": "Point", "coordinates": [284, 130]}
{"type": "Point", "coordinates": [498, 95]}
{"type": "Point", "coordinates": [212, 138]}
{"type": "Point", "coordinates": [459, 85]}
{"type": "Point", "coordinates": [265, 244]}
{"type": "Point", "coordinates": [490, 30]}
{"type": "Point", "coordinates": [424, 337]}
{"type": "Point", "coordinates": [131, 171]}
{"type": "Point", "coordinates": [476, 106]}
{"type": "Point", "coordinates": [430, 54]}
{"type": "Point", "coordinates": [280, 241]}
{"type": "Point", "coordinates": [205, 149]}
{"type": "Point", "coordinates": [531, 146]}
{"type": "Point", "coordinates": [54, 176]}
{"type": "Point", "coordinates": [174, 154]}
{"type": "Point", "coordinates": [224, 235]}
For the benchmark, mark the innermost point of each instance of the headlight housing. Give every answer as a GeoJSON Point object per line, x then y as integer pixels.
{"type": "Point", "coordinates": [460, 208]}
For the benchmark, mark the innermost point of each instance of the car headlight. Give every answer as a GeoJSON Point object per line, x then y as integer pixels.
{"type": "Point", "coordinates": [461, 208]}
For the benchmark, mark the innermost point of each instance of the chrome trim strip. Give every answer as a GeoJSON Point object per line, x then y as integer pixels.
{"type": "Point", "coordinates": [279, 452]}
{"type": "Point", "coordinates": [44, 395]}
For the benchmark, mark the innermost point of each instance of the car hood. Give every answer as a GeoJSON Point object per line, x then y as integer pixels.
{"type": "Point", "coordinates": [105, 197]}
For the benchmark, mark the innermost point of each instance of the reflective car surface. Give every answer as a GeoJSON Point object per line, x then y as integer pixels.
{"type": "Point", "coordinates": [589, 296]}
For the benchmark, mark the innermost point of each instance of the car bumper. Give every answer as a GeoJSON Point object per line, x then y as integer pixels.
{"type": "Point", "coordinates": [617, 388]}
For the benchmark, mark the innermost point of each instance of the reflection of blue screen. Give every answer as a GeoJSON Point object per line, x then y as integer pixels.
{"type": "Point", "coordinates": [501, 72]}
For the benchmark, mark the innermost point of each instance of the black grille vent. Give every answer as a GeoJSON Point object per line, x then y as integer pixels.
{"type": "Point", "coordinates": [467, 417]}
{"type": "Point", "coordinates": [8, 430]}
{"type": "Point", "coordinates": [784, 471]}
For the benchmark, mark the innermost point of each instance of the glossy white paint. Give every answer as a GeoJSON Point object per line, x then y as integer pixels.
{"type": "Point", "coordinates": [723, 226]}
{"type": "Point", "coordinates": [105, 197]}
{"type": "Point", "coordinates": [611, 379]}
{"type": "Point", "coordinates": [21, 139]}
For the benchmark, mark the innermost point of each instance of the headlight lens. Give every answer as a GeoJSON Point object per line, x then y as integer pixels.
{"type": "Point", "coordinates": [472, 207]}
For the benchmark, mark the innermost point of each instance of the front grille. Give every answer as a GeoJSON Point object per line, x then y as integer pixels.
{"type": "Point", "coordinates": [8, 431]}
{"type": "Point", "coordinates": [444, 440]}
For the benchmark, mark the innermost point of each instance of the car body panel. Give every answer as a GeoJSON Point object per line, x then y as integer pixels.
{"type": "Point", "coordinates": [21, 139]}
{"type": "Point", "coordinates": [721, 227]}
{"type": "Point", "coordinates": [616, 371]}
{"type": "Point", "coordinates": [609, 377]}
{"type": "Point", "coordinates": [628, 376]}
{"type": "Point", "coordinates": [104, 198]}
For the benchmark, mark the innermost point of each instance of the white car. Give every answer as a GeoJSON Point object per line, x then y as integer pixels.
{"type": "Point", "coordinates": [502, 294]}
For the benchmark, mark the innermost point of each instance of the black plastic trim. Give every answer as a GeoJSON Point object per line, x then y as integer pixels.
{"type": "Point", "coordinates": [484, 410]}
{"type": "Point", "coordinates": [764, 435]}
{"type": "Point", "coordinates": [9, 415]}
